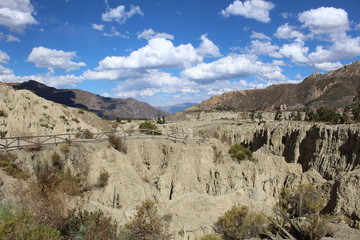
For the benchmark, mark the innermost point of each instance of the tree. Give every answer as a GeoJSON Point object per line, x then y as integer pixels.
{"type": "Point", "coordinates": [278, 115]}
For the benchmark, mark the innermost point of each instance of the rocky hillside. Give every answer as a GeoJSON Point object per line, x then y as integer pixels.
{"type": "Point", "coordinates": [334, 89]}
{"type": "Point", "coordinates": [107, 107]}
{"type": "Point", "coordinates": [24, 114]}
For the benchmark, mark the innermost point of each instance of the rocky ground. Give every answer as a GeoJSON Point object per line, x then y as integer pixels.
{"type": "Point", "coordinates": [194, 182]}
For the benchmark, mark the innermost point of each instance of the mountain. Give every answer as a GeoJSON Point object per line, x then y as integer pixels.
{"type": "Point", "coordinates": [176, 107]}
{"type": "Point", "coordinates": [103, 106]}
{"type": "Point", "coordinates": [334, 89]}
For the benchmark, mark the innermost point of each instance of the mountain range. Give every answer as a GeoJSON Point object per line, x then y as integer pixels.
{"type": "Point", "coordinates": [111, 108]}
{"type": "Point", "coordinates": [335, 89]}
{"type": "Point", "coordinates": [176, 107]}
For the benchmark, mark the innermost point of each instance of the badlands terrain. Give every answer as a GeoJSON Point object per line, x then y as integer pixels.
{"type": "Point", "coordinates": [196, 182]}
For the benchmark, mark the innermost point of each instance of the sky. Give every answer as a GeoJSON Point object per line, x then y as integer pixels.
{"type": "Point", "coordinates": [168, 51]}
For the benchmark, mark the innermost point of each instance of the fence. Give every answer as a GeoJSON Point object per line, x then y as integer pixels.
{"type": "Point", "coordinates": [15, 143]}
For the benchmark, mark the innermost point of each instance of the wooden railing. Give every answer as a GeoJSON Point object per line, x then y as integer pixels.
{"type": "Point", "coordinates": [15, 143]}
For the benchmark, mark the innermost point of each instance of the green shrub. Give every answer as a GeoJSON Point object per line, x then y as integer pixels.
{"type": "Point", "coordinates": [147, 224]}
{"type": "Point", "coordinates": [89, 226]}
{"type": "Point", "coordinates": [278, 115]}
{"type": "Point", "coordinates": [3, 134]}
{"type": "Point", "coordinates": [118, 143]}
{"type": "Point", "coordinates": [10, 167]}
{"type": "Point", "coordinates": [56, 161]}
{"type": "Point", "coordinates": [303, 200]}
{"type": "Point", "coordinates": [75, 120]}
{"type": "Point", "coordinates": [103, 178]}
{"type": "Point", "coordinates": [145, 126]}
{"type": "Point", "coordinates": [240, 153]}
{"type": "Point", "coordinates": [240, 223]}
{"type": "Point", "coordinates": [23, 226]}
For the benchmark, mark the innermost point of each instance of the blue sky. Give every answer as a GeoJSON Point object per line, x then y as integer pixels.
{"type": "Point", "coordinates": [169, 51]}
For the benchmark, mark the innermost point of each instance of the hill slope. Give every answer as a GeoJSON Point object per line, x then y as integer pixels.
{"type": "Point", "coordinates": [102, 106]}
{"type": "Point", "coordinates": [335, 89]}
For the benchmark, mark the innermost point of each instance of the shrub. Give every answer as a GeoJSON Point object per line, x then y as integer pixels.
{"type": "Point", "coordinates": [103, 178]}
{"type": "Point", "coordinates": [144, 126]}
{"type": "Point", "coordinates": [10, 167]}
{"type": "Point", "coordinates": [303, 200]}
{"type": "Point", "coordinates": [240, 153]}
{"type": "Point", "coordinates": [239, 223]}
{"type": "Point", "coordinates": [75, 120]}
{"type": "Point", "coordinates": [23, 226]}
{"type": "Point", "coordinates": [88, 134]}
{"type": "Point", "coordinates": [3, 134]}
{"type": "Point", "coordinates": [118, 143]}
{"type": "Point", "coordinates": [3, 113]}
{"type": "Point", "coordinates": [147, 224]}
{"type": "Point", "coordinates": [278, 115]}
{"type": "Point", "coordinates": [56, 161]}
{"type": "Point", "coordinates": [89, 226]}
{"type": "Point", "coordinates": [35, 147]}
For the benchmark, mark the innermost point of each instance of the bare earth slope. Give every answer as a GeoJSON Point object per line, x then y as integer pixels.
{"type": "Point", "coordinates": [103, 106]}
{"type": "Point", "coordinates": [335, 89]}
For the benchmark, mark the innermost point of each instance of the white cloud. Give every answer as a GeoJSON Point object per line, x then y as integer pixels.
{"type": "Point", "coordinates": [296, 51]}
{"type": "Point", "coordinates": [357, 26]}
{"type": "Point", "coordinates": [4, 58]}
{"type": "Point", "coordinates": [328, 66]}
{"type": "Point", "coordinates": [325, 20]}
{"type": "Point", "coordinates": [16, 14]}
{"type": "Point", "coordinates": [233, 67]}
{"type": "Point", "coordinates": [158, 53]}
{"type": "Point", "coordinates": [208, 48]}
{"type": "Point", "coordinates": [8, 38]}
{"type": "Point", "coordinates": [51, 58]}
{"type": "Point", "coordinates": [99, 27]}
{"type": "Point", "coordinates": [115, 33]}
{"type": "Point", "coordinates": [258, 35]}
{"type": "Point", "coordinates": [255, 9]}
{"type": "Point", "coordinates": [264, 48]}
{"type": "Point", "coordinates": [149, 34]}
{"type": "Point", "coordinates": [119, 14]}
{"type": "Point", "coordinates": [286, 31]}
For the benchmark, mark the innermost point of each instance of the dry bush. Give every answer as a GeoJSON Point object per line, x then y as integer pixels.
{"type": "Point", "coordinates": [87, 134]}
{"type": "Point", "coordinates": [35, 147]}
{"type": "Point", "coordinates": [240, 223]}
{"type": "Point", "coordinates": [118, 143]}
{"type": "Point", "coordinates": [103, 179]}
{"type": "Point", "coordinates": [56, 161]}
{"type": "Point", "coordinates": [3, 113]}
{"type": "Point", "coordinates": [147, 224]}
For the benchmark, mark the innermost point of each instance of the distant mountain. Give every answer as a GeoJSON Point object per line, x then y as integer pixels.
{"type": "Point", "coordinates": [103, 106]}
{"type": "Point", "coordinates": [176, 107]}
{"type": "Point", "coordinates": [334, 89]}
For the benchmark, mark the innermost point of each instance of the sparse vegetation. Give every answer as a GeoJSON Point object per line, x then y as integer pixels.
{"type": "Point", "coordinates": [240, 153]}
{"type": "Point", "coordinates": [81, 111]}
{"type": "Point", "coordinates": [278, 115]}
{"type": "Point", "coordinates": [103, 178]}
{"type": "Point", "coordinates": [3, 134]}
{"type": "Point", "coordinates": [35, 147]}
{"type": "Point", "coordinates": [118, 143]}
{"type": "Point", "coordinates": [145, 126]}
{"type": "Point", "coordinates": [75, 120]}
{"type": "Point", "coordinates": [323, 114]}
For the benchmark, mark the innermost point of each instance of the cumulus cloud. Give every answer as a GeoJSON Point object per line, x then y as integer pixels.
{"type": "Point", "coordinates": [4, 58]}
{"type": "Point", "coordinates": [119, 14]}
{"type": "Point", "coordinates": [296, 51]}
{"type": "Point", "coordinates": [158, 53]}
{"type": "Point", "coordinates": [328, 66]}
{"type": "Point", "coordinates": [255, 9]}
{"type": "Point", "coordinates": [325, 20]}
{"type": "Point", "coordinates": [16, 14]}
{"type": "Point", "coordinates": [258, 35]}
{"type": "Point", "coordinates": [264, 48]}
{"type": "Point", "coordinates": [149, 34]}
{"type": "Point", "coordinates": [232, 67]}
{"type": "Point", "coordinates": [208, 48]}
{"type": "Point", "coordinates": [99, 27]}
{"type": "Point", "coordinates": [287, 31]}
{"type": "Point", "coordinates": [51, 58]}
